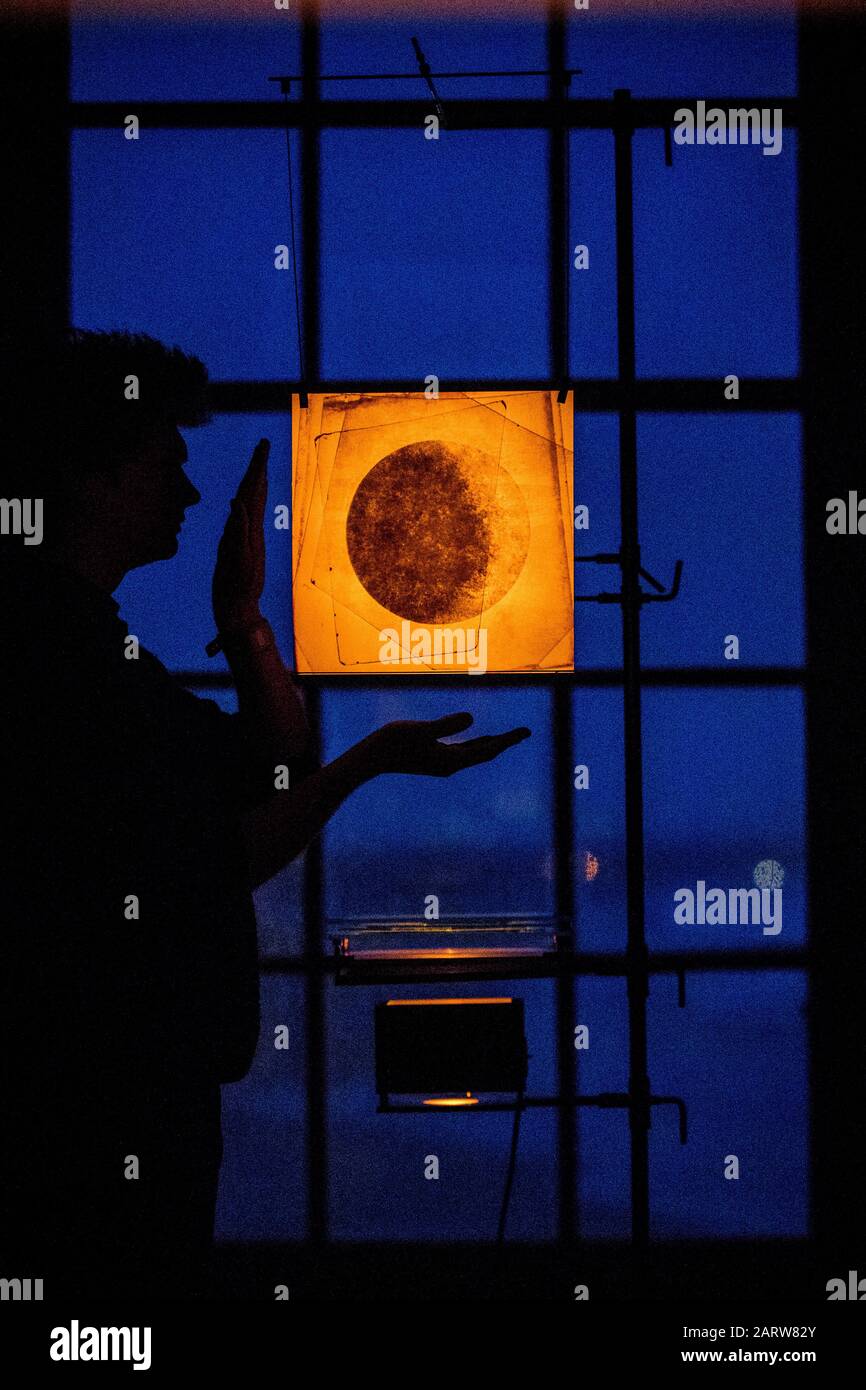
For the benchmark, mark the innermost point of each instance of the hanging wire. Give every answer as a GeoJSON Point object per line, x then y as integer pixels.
{"type": "Point", "coordinates": [566, 359]}
{"type": "Point", "coordinates": [303, 373]}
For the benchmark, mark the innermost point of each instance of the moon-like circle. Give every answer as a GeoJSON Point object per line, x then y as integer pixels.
{"type": "Point", "coordinates": [437, 532]}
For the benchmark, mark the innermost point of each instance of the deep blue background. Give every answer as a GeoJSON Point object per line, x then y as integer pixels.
{"type": "Point", "coordinates": [434, 259]}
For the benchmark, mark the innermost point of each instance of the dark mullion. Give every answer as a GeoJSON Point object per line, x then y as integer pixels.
{"type": "Point", "coordinates": [559, 260]}
{"type": "Point", "coordinates": [603, 963]}
{"type": "Point", "coordinates": [678, 677]}
{"type": "Point", "coordinates": [313, 876]}
{"type": "Point", "coordinates": [833, 315]}
{"type": "Point", "coordinates": [637, 980]}
{"type": "Point", "coordinates": [596, 395]}
{"type": "Point", "coordinates": [503, 114]}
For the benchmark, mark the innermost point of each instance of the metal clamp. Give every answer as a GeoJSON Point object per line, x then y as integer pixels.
{"type": "Point", "coordinates": [662, 595]}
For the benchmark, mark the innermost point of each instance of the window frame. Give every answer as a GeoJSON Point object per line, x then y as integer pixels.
{"type": "Point", "coordinates": [558, 113]}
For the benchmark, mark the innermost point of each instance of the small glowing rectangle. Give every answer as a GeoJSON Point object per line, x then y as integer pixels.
{"type": "Point", "coordinates": [423, 1003]}
{"type": "Point", "coordinates": [433, 536]}
{"type": "Point", "coordinates": [456, 939]}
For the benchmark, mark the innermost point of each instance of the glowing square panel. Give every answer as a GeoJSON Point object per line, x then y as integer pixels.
{"type": "Point", "coordinates": [433, 536]}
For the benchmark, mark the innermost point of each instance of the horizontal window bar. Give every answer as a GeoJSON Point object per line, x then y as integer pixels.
{"type": "Point", "coordinates": [508, 114]}
{"type": "Point", "coordinates": [592, 963]}
{"type": "Point", "coordinates": [680, 677]}
{"type": "Point", "coordinates": [598, 394]}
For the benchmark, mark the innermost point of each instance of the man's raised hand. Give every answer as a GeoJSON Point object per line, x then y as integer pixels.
{"type": "Point", "coordinates": [239, 575]}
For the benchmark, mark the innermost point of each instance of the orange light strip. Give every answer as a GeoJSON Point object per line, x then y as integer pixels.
{"type": "Point", "coordinates": [396, 1003]}
{"type": "Point", "coordinates": [451, 1102]}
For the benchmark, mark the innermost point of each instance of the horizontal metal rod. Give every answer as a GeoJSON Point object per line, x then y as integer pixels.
{"type": "Point", "coordinates": [670, 395]}
{"type": "Point", "coordinates": [408, 76]}
{"type": "Point", "coordinates": [698, 677]}
{"type": "Point", "coordinates": [606, 1101]}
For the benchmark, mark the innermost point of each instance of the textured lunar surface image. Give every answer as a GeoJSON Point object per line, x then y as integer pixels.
{"type": "Point", "coordinates": [437, 532]}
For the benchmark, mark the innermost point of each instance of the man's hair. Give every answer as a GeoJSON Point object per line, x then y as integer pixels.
{"type": "Point", "coordinates": [72, 409]}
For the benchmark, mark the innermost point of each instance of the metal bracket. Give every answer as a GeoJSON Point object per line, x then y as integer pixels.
{"type": "Point", "coordinates": [681, 1110]}
{"type": "Point", "coordinates": [663, 595]}
{"type": "Point", "coordinates": [606, 1100]}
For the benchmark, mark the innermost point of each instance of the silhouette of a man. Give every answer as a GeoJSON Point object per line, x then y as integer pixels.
{"type": "Point", "coordinates": [141, 818]}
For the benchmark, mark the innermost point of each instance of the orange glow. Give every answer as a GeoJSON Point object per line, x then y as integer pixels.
{"type": "Point", "coordinates": [590, 866]}
{"type": "Point", "coordinates": [449, 953]}
{"type": "Point", "coordinates": [393, 1003]}
{"type": "Point", "coordinates": [451, 1102]}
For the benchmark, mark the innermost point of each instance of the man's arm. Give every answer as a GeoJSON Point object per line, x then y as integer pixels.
{"type": "Point", "coordinates": [277, 831]}
{"type": "Point", "coordinates": [283, 823]}
{"type": "Point", "coordinates": [270, 703]}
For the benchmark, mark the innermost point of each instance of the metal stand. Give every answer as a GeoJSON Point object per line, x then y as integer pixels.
{"type": "Point", "coordinates": [632, 597]}
{"type": "Point", "coordinates": [638, 1100]}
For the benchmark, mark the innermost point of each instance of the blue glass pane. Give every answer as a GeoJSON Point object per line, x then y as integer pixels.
{"type": "Point", "coordinates": [378, 1190]}
{"type": "Point", "coordinates": [592, 223]}
{"type": "Point", "coordinates": [119, 59]}
{"type": "Point", "coordinates": [716, 260]}
{"type": "Point", "coordinates": [482, 840]}
{"type": "Point", "coordinates": [724, 495]}
{"type": "Point", "coordinates": [597, 626]}
{"type": "Point", "coordinates": [174, 235]}
{"type": "Point", "coordinates": [262, 1193]}
{"type": "Point", "coordinates": [599, 821]}
{"type": "Point", "coordinates": [603, 1163]}
{"type": "Point", "coordinates": [168, 606]}
{"type": "Point", "coordinates": [724, 797]}
{"type": "Point", "coordinates": [434, 254]}
{"type": "Point", "coordinates": [683, 57]}
{"type": "Point", "coordinates": [449, 45]}
{"type": "Point", "coordinates": [736, 1054]}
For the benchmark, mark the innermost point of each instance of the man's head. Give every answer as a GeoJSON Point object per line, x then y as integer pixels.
{"type": "Point", "coordinates": [98, 438]}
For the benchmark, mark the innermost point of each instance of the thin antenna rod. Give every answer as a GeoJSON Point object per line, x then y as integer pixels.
{"type": "Point", "coordinates": [301, 364]}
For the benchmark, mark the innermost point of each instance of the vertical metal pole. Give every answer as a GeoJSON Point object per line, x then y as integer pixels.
{"type": "Point", "coordinates": [310, 191]}
{"type": "Point", "coordinates": [314, 979]}
{"type": "Point", "coordinates": [638, 978]}
{"type": "Point", "coordinates": [563, 795]}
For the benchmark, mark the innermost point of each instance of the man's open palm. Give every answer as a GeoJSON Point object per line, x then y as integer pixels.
{"type": "Point", "coordinates": [413, 746]}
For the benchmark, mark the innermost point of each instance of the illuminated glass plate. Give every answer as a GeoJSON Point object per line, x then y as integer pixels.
{"type": "Point", "coordinates": [433, 536]}
{"type": "Point", "coordinates": [464, 947]}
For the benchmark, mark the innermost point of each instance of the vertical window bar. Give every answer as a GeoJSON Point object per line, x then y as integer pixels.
{"type": "Point", "coordinates": [560, 259]}
{"type": "Point", "coordinates": [317, 1080]}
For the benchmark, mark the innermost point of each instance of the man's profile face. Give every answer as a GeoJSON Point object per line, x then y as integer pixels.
{"type": "Point", "coordinates": [153, 493]}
